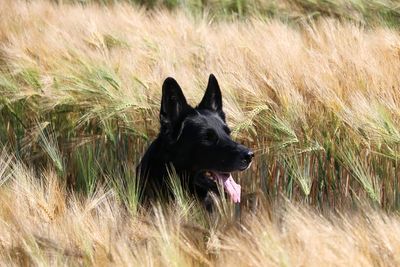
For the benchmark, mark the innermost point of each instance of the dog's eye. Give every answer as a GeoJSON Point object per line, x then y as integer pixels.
{"type": "Point", "coordinates": [211, 136]}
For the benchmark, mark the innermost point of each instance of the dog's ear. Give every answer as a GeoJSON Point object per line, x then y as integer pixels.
{"type": "Point", "coordinates": [212, 99]}
{"type": "Point", "coordinates": [173, 102]}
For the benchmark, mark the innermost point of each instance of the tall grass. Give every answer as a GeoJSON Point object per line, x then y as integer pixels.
{"type": "Point", "coordinates": [80, 93]}
{"type": "Point", "coordinates": [44, 224]}
{"type": "Point", "coordinates": [318, 102]}
{"type": "Point", "coordinates": [382, 12]}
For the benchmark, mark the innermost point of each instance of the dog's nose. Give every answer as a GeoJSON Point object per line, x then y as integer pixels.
{"type": "Point", "coordinates": [248, 157]}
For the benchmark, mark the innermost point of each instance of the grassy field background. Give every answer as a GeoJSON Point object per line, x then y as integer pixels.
{"type": "Point", "coordinates": [313, 89]}
{"type": "Point", "coordinates": [366, 12]}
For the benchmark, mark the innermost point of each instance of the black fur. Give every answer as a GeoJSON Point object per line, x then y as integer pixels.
{"type": "Point", "coordinates": [192, 140]}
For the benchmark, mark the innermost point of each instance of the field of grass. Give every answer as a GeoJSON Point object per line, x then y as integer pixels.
{"type": "Point", "coordinates": [317, 100]}
{"type": "Point", "coordinates": [366, 12]}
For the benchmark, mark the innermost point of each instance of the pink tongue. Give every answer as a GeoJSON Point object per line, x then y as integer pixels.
{"type": "Point", "coordinates": [231, 187]}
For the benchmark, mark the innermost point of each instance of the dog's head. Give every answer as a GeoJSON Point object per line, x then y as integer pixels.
{"type": "Point", "coordinates": [199, 138]}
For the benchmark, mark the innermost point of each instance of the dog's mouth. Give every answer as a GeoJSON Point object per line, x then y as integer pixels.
{"type": "Point", "coordinates": [226, 179]}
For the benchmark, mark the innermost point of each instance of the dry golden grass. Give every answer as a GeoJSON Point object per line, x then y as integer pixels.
{"type": "Point", "coordinates": [79, 94]}
{"type": "Point", "coordinates": [42, 224]}
{"type": "Point", "coordinates": [319, 102]}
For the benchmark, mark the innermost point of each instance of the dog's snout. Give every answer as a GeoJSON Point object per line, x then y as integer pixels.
{"type": "Point", "coordinates": [248, 156]}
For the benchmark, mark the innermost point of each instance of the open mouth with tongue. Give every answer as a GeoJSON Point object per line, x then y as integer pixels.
{"type": "Point", "coordinates": [226, 179]}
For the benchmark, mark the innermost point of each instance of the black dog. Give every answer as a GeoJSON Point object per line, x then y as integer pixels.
{"type": "Point", "coordinates": [196, 142]}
